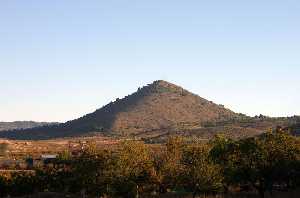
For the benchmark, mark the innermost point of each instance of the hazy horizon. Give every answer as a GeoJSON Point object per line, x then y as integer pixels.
{"type": "Point", "coordinates": [63, 59]}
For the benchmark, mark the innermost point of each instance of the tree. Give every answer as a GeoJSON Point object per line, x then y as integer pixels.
{"type": "Point", "coordinates": [4, 186]}
{"type": "Point", "coordinates": [260, 161]}
{"type": "Point", "coordinates": [133, 171]}
{"type": "Point", "coordinates": [222, 153]}
{"type": "Point", "coordinates": [22, 184]}
{"type": "Point", "coordinates": [91, 171]}
{"type": "Point", "coordinates": [201, 175]}
{"type": "Point", "coordinates": [168, 164]}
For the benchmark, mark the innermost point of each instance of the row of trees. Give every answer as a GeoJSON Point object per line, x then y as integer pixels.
{"type": "Point", "coordinates": [266, 163]}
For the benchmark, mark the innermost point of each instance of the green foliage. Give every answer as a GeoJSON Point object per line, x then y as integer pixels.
{"type": "Point", "coordinates": [135, 169]}
{"type": "Point", "coordinates": [168, 164]}
{"type": "Point", "coordinates": [4, 186]}
{"type": "Point", "coordinates": [200, 173]}
{"type": "Point", "coordinates": [65, 155]}
{"type": "Point", "coordinates": [22, 184]}
{"type": "Point", "coordinates": [259, 162]}
{"type": "Point", "coordinates": [92, 171]}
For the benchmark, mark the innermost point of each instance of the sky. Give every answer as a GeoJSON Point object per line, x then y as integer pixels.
{"type": "Point", "coordinates": [61, 59]}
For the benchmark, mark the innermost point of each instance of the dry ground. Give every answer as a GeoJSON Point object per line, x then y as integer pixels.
{"type": "Point", "coordinates": [20, 148]}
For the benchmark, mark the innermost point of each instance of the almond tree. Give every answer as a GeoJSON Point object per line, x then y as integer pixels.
{"type": "Point", "coordinates": [201, 175]}
{"type": "Point", "coordinates": [261, 161]}
{"type": "Point", "coordinates": [133, 172]}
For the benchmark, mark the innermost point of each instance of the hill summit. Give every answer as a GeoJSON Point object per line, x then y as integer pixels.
{"type": "Point", "coordinates": [159, 106]}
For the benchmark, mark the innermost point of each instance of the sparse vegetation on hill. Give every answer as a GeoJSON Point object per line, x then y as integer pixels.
{"type": "Point", "coordinates": [154, 113]}
{"type": "Point", "coordinates": [155, 107]}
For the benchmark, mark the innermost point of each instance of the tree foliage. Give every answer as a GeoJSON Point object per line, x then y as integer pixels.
{"type": "Point", "coordinates": [134, 169]}
{"type": "Point", "coordinates": [260, 162]}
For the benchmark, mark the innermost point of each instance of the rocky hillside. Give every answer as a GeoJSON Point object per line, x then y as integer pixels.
{"type": "Point", "coordinates": [160, 106]}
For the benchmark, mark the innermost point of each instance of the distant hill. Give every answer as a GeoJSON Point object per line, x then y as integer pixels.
{"type": "Point", "coordinates": [155, 107]}
{"type": "Point", "coordinates": [295, 129]}
{"type": "Point", "coordinates": [153, 113]}
{"type": "Point", "coordinates": [5, 126]}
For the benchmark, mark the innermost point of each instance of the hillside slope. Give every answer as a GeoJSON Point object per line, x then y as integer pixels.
{"type": "Point", "coordinates": [5, 126]}
{"type": "Point", "coordinates": [159, 106]}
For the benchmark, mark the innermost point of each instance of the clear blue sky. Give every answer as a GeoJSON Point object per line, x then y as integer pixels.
{"type": "Point", "coordinates": [61, 59]}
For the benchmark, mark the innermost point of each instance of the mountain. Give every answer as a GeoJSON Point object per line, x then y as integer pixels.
{"type": "Point", "coordinates": [4, 126]}
{"type": "Point", "coordinates": [160, 107]}
{"type": "Point", "coordinates": [155, 112]}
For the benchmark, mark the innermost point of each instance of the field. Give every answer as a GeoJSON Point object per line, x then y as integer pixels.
{"type": "Point", "coordinates": [18, 149]}
{"type": "Point", "coordinates": [102, 166]}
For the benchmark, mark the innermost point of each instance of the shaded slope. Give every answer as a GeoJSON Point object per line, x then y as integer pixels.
{"type": "Point", "coordinates": [158, 106]}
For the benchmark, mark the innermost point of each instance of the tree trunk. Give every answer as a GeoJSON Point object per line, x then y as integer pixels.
{"type": "Point", "coordinates": [260, 188]}
{"type": "Point", "coordinates": [261, 193]}
{"type": "Point", "coordinates": [195, 194]}
{"type": "Point", "coordinates": [82, 192]}
{"type": "Point", "coordinates": [226, 190]}
{"type": "Point", "coordinates": [137, 191]}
